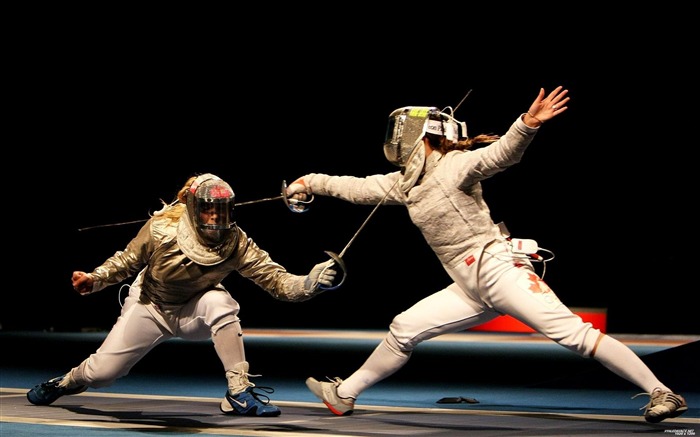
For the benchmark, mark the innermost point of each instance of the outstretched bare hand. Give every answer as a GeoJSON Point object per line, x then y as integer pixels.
{"type": "Point", "coordinates": [544, 109]}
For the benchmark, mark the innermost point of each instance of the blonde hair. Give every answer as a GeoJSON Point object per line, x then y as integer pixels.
{"type": "Point", "coordinates": [173, 211]}
{"type": "Point", "coordinates": [447, 146]}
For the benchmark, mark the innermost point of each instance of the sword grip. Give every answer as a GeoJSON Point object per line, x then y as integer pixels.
{"type": "Point", "coordinates": [341, 265]}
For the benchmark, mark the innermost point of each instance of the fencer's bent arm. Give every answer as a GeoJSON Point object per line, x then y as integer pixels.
{"type": "Point", "coordinates": [171, 278]}
{"type": "Point", "coordinates": [256, 264]}
{"type": "Point", "coordinates": [474, 166]}
{"type": "Point", "coordinates": [125, 263]}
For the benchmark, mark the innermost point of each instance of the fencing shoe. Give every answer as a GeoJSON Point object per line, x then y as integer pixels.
{"type": "Point", "coordinates": [47, 392]}
{"type": "Point", "coordinates": [250, 403]}
{"type": "Point", "coordinates": [243, 397]}
{"type": "Point", "coordinates": [328, 393]}
{"type": "Point", "coordinates": [663, 405]}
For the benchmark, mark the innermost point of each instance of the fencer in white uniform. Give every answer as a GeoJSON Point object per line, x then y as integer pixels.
{"type": "Point", "coordinates": [440, 185]}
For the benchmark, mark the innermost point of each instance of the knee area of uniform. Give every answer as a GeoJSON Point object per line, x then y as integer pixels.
{"type": "Point", "coordinates": [219, 315]}
{"type": "Point", "coordinates": [398, 342]}
{"type": "Point", "coordinates": [229, 322]}
{"type": "Point", "coordinates": [389, 343]}
{"type": "Point", "coordinates": [219, 299]}
{"type": "Point", "coordinates": [581, 339]}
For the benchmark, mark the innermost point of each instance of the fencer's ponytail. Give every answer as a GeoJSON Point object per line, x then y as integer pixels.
{"type": "Point", "coordinates": [182, 194]}
{"type": "Point", "coordinates": [174, 210]}
{"type": "Point", "coordinates": [467, 143]}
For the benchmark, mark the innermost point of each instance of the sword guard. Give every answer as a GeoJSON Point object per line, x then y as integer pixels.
{"type": "Point", "coordinates": [341, 264]}
{"type": "Point", "coordinates": [295, 205]}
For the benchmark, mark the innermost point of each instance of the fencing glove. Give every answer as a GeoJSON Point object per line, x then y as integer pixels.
{"type": "Point", "coordinates": [298, 189]}
{"type": "Point", "coordinates": [322, 273]}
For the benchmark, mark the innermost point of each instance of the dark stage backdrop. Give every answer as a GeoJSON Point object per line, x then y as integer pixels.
{"type": "Point", "coordinates": [107, 134]}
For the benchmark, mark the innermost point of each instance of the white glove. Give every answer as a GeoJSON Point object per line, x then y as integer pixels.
{"type": "Point", "coordinates": [298, 190]}
{"type": "Point", "coordinates": [322, 273]}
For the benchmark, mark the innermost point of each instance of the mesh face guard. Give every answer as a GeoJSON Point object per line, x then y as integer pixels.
{"type": "Point", "coordinates": [214, 202]}
{"type": "Point", "coordinates": [408, 125]}
{"type": "Point", "coordinates": [210, 237]}
{"type": "Point", "coordinates": [210, 203]}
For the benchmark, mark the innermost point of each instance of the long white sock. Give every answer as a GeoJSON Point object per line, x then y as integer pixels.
{"type": "Point", "coordinates": [382, 363]}
{"type": "Point", "coordinates": [228, 342]}
{"type": "Point", "coordinates": [622, 361]}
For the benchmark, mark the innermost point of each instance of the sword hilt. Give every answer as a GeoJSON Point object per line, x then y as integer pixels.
{"type": "Point", "coordinates": [338, 261]}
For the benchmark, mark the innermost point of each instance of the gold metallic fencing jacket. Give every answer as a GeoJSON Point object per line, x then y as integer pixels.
{"type": "Point", "coordinates": [171, 278]}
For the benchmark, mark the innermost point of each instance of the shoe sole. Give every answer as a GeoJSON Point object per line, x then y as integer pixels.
{"type": "Point", "coordinates": [316, 388]}
{"type": "Point", "coordinates": [657, 419]}
{"type": "Point", "coordinates": [226, 408]}
{"type": "Point", "coordinates": [337, 412]}
{"type": "Point", "coordinates": [42, 402]}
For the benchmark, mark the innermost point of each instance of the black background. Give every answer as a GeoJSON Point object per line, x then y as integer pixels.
{"type": "Point", "coordinates": [111, 118]}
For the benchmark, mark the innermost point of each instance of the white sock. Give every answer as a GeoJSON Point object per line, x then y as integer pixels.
{"type": "Point", "coordinates": [622, 361]}
{"type": "Point", "coordinates": [382, 363]}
